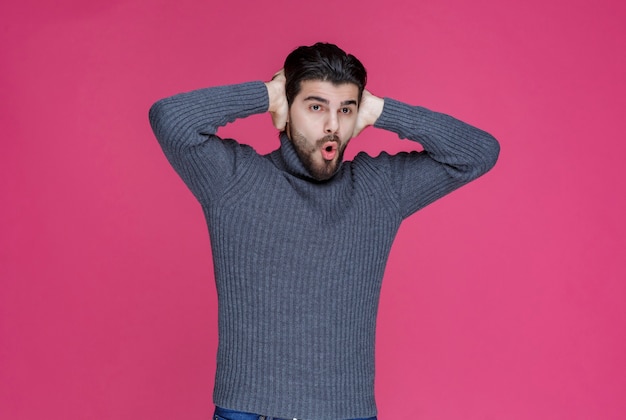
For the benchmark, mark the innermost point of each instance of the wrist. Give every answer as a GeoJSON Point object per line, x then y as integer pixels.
{"type": "Point", "coordinates": [375, 109]}
{"type": "Point", "coordinates": [272, 95]}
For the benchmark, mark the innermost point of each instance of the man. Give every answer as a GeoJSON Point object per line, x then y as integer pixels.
{"type": "Point", "coordinates": [299, 237]}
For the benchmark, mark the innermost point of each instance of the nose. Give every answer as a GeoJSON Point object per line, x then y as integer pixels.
{"type": "Point", "coordinates": [332, 124]}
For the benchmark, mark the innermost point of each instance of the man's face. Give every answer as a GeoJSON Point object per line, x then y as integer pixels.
{"type": "Point", "coordinates": [321, 122]}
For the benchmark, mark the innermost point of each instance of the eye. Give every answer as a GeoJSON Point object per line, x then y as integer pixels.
{"type": "Point", "coordinates": [315, 107]}
{"type": "Point", "coordinates": [346, 110]}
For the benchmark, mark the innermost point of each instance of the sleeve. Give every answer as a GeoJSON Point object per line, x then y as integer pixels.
{"type": "Point", "coordinates": [454, 154]}
{"type": "Point", "coordinates": [186, 125]}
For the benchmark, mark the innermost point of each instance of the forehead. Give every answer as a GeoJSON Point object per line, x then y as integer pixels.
{"type": "Point", "coordinates": [331, 92]}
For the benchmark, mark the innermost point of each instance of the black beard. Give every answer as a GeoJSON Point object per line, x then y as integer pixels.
{"type": "Point", "coordinates": [327, 169]}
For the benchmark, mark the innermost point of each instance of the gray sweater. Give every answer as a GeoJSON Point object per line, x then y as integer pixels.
{"type": "Point", "coordinates": [299, 263]}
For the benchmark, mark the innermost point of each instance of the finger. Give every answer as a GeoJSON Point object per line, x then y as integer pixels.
{"type": "Point", "coordinates": [278, 74]}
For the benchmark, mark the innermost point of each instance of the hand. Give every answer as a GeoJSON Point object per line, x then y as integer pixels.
{"type": "Point", "coordinates": [370, 109]}
{"type": "Point", "coordinates": [278, 101]}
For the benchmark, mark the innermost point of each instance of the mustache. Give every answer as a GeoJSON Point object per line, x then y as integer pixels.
{"type": "Point", "coordinates": [325, 139]}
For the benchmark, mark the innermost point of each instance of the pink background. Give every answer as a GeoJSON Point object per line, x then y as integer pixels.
{"type": "Point", "coordinates": [505, 300]}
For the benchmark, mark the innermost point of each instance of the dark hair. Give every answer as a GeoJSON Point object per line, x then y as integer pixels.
{"type": "Point", "coordinates": [326, 62]}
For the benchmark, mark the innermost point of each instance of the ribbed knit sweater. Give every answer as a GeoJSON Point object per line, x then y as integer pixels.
{"type": "Point", "coordinates": [299, 263]}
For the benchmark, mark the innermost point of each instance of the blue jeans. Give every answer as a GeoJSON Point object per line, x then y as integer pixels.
{"type": "Point", "coordinates": [226, 414]}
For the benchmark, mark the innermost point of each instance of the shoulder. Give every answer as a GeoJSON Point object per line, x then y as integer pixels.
{"type": "Point", "coordinates": [383, 162]}
{"type": "Point", "coordinates": [372, 169]}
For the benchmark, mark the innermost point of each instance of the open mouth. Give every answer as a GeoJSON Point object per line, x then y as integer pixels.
{"type": "Point", "coordinates": [329, 150]}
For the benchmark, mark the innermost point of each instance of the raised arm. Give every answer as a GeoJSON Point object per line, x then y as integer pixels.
{"type": "Point", "coordinates": [186, 125]}
{"type": "Point", "coordinates": [454, 154]}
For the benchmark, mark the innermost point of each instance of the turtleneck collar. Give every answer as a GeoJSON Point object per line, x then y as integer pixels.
{"type": "Point", "coordinates": [287, 158]}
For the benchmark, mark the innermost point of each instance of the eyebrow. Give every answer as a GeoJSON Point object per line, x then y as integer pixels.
{"type": "Point", "coordinates": [326, 102]}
